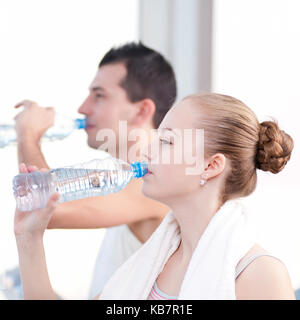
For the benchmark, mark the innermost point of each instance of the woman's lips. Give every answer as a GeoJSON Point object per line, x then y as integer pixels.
{"type": "Point", "coordinates": [148, 173]}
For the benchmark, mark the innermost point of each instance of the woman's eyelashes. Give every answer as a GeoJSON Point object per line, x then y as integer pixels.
{"type": "Point", "coordinates": [165, 141]}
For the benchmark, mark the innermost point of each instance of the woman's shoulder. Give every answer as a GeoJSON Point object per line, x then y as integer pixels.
{"type": "Point", "coordinates": [263, 276]}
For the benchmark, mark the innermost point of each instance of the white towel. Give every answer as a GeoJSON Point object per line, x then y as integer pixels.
{"type": "Point", "coordinates": [211, 271]}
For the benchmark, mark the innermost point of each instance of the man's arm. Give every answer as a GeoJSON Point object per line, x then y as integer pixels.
{"type": "Point", "coordinates": [30, 125]}
{"type": "Point", "coordinates": [30, 153]}
{"type": "Point", "coordinates": [106, 211]}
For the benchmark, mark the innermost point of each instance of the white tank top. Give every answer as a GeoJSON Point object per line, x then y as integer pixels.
{"type": "Point", "coordinates": [118, 244]}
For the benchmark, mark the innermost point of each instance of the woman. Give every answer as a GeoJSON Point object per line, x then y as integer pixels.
{"type": "Point", "coordinates": [204, 248]}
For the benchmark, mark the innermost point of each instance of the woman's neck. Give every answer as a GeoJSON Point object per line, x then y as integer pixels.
{"type": "Point", "coordinates": [193, 215]}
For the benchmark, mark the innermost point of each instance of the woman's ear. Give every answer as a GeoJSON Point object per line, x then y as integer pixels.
{"type": "Point", "coordinates": [145, 110]}
{"type": "Point", "coordinates": [215, 166]}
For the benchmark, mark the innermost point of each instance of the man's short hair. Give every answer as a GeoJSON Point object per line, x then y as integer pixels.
{"type": "Point", "coordinates": [149, 75]}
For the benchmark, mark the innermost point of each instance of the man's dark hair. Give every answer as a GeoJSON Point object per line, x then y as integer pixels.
{"type": "Point", "coordinates": [149, 75]}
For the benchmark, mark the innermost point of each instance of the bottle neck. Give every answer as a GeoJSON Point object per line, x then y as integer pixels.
{"type": "Point", "coordinates": [139, 169]}
{"type": "Point", "coordinates": [80, 123]}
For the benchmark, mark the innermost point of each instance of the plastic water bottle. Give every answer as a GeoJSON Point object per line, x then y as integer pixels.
{"type": "Point", "coordinates": [63, 127]}
{"type": "Point", "coordinates": [95, 178]}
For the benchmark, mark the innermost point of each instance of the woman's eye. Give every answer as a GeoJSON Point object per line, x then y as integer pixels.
{"type": "Point", "coordinates": [164, 141]}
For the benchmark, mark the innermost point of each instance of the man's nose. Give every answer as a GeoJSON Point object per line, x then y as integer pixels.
{"type": "Point", "coordinates": [85, 108]}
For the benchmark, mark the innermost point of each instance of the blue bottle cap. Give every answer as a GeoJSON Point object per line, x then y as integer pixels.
{"type": "Point", "coordinates": [139, 169]}
{"type": "Point", "coordinates": [80, 123]}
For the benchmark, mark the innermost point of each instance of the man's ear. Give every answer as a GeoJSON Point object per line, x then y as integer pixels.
{"type": "Point", "coordinates": [216, 165]}
{"type": "Point", "coordinates": [145, 110]}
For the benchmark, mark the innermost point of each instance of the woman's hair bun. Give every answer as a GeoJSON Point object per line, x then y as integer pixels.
{"type": "Point", "coordinates": [274, 147]}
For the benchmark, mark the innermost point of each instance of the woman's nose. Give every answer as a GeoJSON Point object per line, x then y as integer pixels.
{"type": "Point", "coordinates": [146, 154]}
{"type": "Point", "coordinates": [151, 151]}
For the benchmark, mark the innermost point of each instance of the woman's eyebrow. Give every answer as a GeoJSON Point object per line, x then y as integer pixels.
{"type": "Point", "coordinates": [170, 129]}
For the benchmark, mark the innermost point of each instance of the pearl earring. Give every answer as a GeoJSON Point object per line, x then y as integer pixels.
{"type": "Point", "coordinates": [203, 181]}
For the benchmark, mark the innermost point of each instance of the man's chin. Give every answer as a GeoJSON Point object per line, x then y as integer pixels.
{"type": "Point", "coordinates": [92, 143]}
{"type": "Point", "coordinates": [101, 147]}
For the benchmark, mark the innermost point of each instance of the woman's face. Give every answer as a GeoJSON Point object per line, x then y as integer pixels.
{"type": "Point", "coordinates": [171, 155]}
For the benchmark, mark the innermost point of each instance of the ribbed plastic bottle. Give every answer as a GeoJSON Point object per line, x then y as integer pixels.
{"type": "Point", "coordinates": [63, 127]}
{"type": "Point", "coordinates": [94, 178]}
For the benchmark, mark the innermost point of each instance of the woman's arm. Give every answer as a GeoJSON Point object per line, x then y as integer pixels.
{"type": "Point", "coordinates": [33, 269]}
{"type": "Point", "coordinates": [29, 228]}
{"type": "Point", "coordinates": [97, 296]}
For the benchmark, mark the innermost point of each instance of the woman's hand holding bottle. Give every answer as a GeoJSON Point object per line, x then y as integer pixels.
{"type": "Point", "coordinates": [34, 223]}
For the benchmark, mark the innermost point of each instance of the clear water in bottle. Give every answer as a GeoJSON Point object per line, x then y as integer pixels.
{"type": "Point", "coordinates": [63, 127]}
{"type": "Point", "coordinates": [94, 178]}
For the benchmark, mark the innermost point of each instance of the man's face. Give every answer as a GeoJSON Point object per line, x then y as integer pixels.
{"type": "Point", "coordinates": [107, 102]}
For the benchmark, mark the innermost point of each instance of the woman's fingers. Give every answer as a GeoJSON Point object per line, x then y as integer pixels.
{"type": "Point", "coordinates": [54, 197]}
{"type": "Point", "coordinates": [32, 168]}
{"type": "Point", "coordinates": [23, 168]}
{"type": "Point", "coordinates": [52, 202]}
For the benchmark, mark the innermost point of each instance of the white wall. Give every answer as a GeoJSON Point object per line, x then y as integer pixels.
{"type": "Point", "coordinates": [49, 53]}
{"type": "Point", "coordinates": [181, 31]}
{"type": "Point", "coordinates": [256, 59]}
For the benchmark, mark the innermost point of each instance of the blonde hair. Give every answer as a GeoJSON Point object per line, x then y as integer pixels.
{"type": "Point", "coordinates": [231, 128]}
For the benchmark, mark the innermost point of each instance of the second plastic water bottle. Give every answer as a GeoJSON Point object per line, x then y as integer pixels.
{"type": "Point", "coordinates": [95, 178]}
{"type": "Point", "coordinates": [63, 127]}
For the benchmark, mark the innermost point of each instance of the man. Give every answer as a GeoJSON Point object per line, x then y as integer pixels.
{"type": "Point", "coordinates": [134, 84]}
